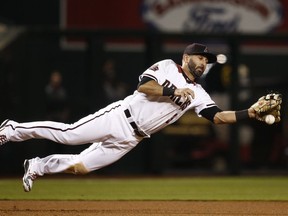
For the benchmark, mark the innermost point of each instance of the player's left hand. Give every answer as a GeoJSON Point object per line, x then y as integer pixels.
{"type": "Point", "coordinates": [268, 104]}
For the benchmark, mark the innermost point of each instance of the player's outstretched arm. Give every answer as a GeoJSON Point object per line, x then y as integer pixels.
{"type": "Point", "coordinates": [268, 105]}
{"type": "Point", "coordinates": [229, 117]}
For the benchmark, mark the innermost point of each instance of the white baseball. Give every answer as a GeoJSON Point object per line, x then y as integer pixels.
{"type": "Point", "coordinates": [269, 119]}
{"type": "Point", "coordinates": [221, 58]}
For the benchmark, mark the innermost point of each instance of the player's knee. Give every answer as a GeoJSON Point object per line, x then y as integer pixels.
{"type": "Point", "coordinates": [78, 169]}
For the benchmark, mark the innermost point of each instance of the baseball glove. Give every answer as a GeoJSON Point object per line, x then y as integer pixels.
{"type": "Point", "coordinates": [268, 104]}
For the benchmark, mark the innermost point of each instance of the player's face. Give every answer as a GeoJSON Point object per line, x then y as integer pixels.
{"type": "Point", "coordinates": [197, 65]}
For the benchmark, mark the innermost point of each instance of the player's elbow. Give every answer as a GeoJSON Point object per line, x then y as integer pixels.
{"type": "Point", "coordinates": [140, 88]}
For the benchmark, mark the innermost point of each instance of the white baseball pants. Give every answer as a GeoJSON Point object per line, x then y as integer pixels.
{"type": "Point", "coordinates": [108, 129]}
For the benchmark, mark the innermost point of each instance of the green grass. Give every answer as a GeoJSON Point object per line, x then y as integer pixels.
{"type": "Point", "coordinates": [188, 188]}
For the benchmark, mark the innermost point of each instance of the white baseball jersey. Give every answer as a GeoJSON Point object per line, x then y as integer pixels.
{"type": "Point", "coordinates": [152, 113]}
{"type": "Point", "coordinates": [113, 130]}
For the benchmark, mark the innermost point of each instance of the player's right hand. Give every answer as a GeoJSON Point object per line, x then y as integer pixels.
{"type": "Point", "coordinates": [185, 93]}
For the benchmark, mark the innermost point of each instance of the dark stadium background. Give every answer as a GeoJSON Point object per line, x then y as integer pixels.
{"type": "Point", "coordinates": [26, 62]}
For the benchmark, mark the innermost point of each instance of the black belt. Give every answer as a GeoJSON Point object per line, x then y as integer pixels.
{"type": "Point", "coordinates": [137, 131]}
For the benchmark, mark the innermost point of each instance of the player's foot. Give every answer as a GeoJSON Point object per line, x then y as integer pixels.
{"type": "Point", "coordinates": [29, 174]}
{"type": "Point", "coordinates": [3, 138]}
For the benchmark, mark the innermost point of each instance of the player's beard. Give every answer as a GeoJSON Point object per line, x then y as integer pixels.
{"type": "Point", "coordinates": [196, 72]}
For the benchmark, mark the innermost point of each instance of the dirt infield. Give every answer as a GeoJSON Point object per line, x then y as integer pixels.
{"type": "Point", "coordinates": [87, 208]}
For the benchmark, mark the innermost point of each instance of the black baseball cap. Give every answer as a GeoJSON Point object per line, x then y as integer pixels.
{"type": "Point", "coordinates": [200, 49]}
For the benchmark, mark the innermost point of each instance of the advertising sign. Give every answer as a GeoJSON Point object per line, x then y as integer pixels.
{"type": "Point", "coordinates": [206, 16]}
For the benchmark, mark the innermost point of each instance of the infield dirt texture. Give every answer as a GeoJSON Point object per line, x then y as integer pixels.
{"type": "Point", "coordinates": [141, 208]}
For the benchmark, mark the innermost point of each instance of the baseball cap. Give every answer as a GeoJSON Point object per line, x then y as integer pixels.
{"type": "Point", "coordinates": [200, 49]}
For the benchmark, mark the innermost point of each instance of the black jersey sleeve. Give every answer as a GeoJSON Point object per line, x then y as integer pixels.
{"type": "Point", "coordinates": [210, 112]}
{"type": "Point", "coordinates": [144, 80]}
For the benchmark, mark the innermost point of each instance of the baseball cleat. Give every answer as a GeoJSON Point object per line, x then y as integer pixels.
{"type": "Point", "coordinates": [3, 138]}
{"type": "Point", "coordinates": [29, 175]}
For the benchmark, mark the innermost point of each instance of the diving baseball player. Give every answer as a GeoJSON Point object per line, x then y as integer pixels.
{"type": "Point", "coordinates": [165, 92]}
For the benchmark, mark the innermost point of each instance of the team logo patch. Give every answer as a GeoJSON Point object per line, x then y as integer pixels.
{"type": "Point", "coordinates": [154, 67]}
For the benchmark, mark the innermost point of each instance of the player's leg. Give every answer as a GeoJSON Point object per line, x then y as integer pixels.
{"type": "Point", "coordinates": [98, 155]}
{"type": "Point", "coordinates": [57, 163]}
{"type": "Point", "coordinates": [51, 164]}
{"type": "Point", "coordinates": [92, 128]}
{"type": "Point", "coordinates": [54, 131]}
{"type": "Point", "coordinates": [3, 137]}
